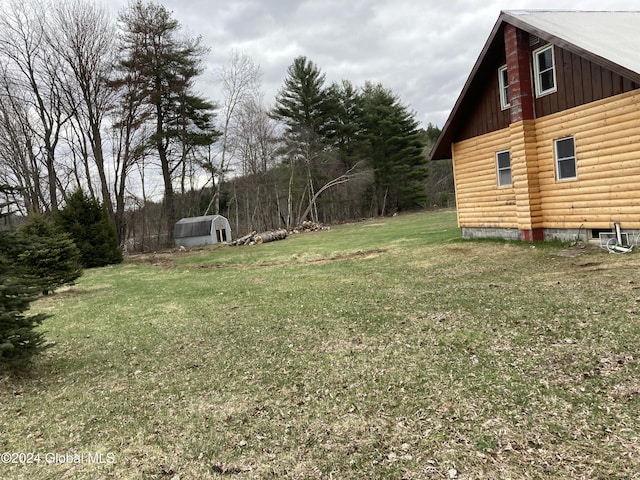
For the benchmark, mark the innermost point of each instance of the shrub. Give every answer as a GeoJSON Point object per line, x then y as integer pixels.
{"type": "Point", "coordinates": [89, 226]}
{"type": "Point", "coordinates": [18, 338]}
{"type": "Point", "coordinates": [49, 258]}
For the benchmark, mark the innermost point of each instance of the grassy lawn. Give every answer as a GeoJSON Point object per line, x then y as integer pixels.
{"type": "Point", "coordinates": [382, 349]}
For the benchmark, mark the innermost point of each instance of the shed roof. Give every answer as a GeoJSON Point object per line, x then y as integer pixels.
{"type": "Point", "coordinates": [609, 39]}
{"type": "Point", "coordinates": [202, 218]}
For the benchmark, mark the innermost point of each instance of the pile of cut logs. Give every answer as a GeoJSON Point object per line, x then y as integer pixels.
{"type": "Point", "coordinates": [264, 237]}
{"type": "Point", "coordinates": [308, 226]}
{"type": "Point", "coordinates": [280, 234]}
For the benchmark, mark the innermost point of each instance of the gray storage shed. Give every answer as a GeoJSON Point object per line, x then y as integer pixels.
{"type": "Point", "coordinates": [198, 231]}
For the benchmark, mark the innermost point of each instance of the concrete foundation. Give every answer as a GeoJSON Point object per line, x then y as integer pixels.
{"type": "Point", "coordinates": [484, 232]}
{"type": "Point", "coordinates": [562, 234]}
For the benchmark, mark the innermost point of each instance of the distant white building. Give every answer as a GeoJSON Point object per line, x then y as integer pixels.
{"type": "Point", "coordinates": [199, 231]}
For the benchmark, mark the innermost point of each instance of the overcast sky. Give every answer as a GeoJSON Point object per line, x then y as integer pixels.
{"type": "Point", "coordinates": [423, 50]}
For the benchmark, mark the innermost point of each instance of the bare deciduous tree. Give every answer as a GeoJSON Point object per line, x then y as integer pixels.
{"type": "Point", "coordinates": [18, 165]}
{"type": "Point", "coordinates": [130, 134]}
{"type": "Point", "coordinates": [255, 141]}
{"type": "Point", "coordinates": [83, 36]}
{"type": "Point", "coordinates": [240, 84]}
{"type": "Point", "coordinates": [37, 78]}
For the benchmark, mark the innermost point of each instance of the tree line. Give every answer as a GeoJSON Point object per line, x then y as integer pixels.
{"type": "Point", "coordinates": [108, 106]}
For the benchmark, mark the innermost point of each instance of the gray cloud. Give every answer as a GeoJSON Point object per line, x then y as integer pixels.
{"type": "Point", "coordinates": [422, 50]}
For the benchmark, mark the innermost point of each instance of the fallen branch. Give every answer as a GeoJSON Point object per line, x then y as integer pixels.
{"type": "Point", "coordinates": [331, 183]}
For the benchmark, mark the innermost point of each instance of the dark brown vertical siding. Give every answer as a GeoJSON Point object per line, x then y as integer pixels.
{"type": "Point", "coordinates": [576, 77]}
{"type": "Point", "coordinates": [579, 81]}
{"type": "Point", "coordinates": [618, 85]}
{"type": "Point", "coordinates": [482, 110]}
{"type": "Point", "coordinates": [484, 113]}
{"type": "Point", "coordinates": [565, 63]}
{"type": "Point", "coordinates": [587, 91]}
{"type": "Point", "coordinates": [607, 83]}
{"type": "Point", "coordinates": [628, 85]}
{"type": "Point", "coordinates": [596, 81]}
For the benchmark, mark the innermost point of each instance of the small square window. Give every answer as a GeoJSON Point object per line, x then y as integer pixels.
{"type": "Point", "coordinates": [503, 81]}
{"type": "Point", "coordinates": [566, 168]}
{"type": "Point", "coordinates": [503, 161]}
{"type": "Point", "coordinates": [545, 72]}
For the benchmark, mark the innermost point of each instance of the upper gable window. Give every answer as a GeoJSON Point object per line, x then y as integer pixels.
{"type": "Point", "coordinates": [503, 81]}
{"type": "Point", "coordinates": [545, 71]}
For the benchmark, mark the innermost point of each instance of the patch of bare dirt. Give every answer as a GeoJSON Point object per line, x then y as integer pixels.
{"type": "Point", "coordinates": [165, 259]}
{"type": "Point", "coordinates": [578, 249]}
{"type": "Point", "coordinates": [300, 260]}
{"type": "Point", "coordinates": [160, 259]}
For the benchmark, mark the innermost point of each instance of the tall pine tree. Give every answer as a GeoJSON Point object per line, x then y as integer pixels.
{"type": "Point", "coordinates": [395, 149]}
{"type": "Point", "coordinates": [303, 106]}
{"type": "Point", "coordinates": [165, 66]}
{"type": "Point", "coordinates": [344, 128]}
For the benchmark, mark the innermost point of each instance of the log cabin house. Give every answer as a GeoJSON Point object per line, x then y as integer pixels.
{"type": "Point", "coordinates": [545, 135]}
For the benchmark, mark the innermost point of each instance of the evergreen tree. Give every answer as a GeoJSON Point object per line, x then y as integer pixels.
{"type": "Point", "coordinates": [50, 259]}
{"type": "Point", "coordinates": [431, 135]}
{"type": "Point", "coordinates": [19, 339]}
{"type": "Point", "coordinates": [302, 104]}
{"type": "Point", "coordinates": [88, 224]}
{"type": "Point", "coordinates": [344, 128]}
{"type": "Point", "coordinates": [162, 67]}
{"type": "Point", "coordinates": [395, 150]}
{"type": "Point", "coordinates": [304, 107]}
{"type": "Point", "coordinates": [440, 184]}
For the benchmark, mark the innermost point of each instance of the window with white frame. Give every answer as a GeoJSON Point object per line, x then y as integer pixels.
{"type": "Point", "coordinates": [503, 81]}
{"type": "Point", "coordinates": [503, 161]}
{"type": "Point", "coordinates": [545, 71]}
{"type": "Point", "coordinates": [565, 149]}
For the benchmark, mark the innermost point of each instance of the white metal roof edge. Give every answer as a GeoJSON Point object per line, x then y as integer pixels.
{"type": "Point", "coordinates": [613, 36]}
{"type": "Point", "coordinates": [574, 34]}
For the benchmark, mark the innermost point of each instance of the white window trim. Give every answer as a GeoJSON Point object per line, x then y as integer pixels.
{"type": "Point", "coordinates": [557, 159]}
{"type": "Point", "coordinates": [498, 169]}
{"type": "Point", "coordinates": [536, 67]}
{"type": "Point", "coordinates": [504, 104]}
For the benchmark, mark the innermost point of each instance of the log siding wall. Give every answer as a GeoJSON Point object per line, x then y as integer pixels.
{"type": "Point", "coordinates": [607, 142]}
{"type": "Point", "coordinates": [479, 200]}
{"type": "Point", "coordinates": [607, 188]}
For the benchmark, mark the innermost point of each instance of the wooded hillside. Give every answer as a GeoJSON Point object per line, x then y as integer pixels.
{"type": "Point", "coordinates": [108, 106]}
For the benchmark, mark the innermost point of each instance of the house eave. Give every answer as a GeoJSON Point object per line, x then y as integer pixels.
{"type": "Point", "coordinates": [442, 148]}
